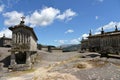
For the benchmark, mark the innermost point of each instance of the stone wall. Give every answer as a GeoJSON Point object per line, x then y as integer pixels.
{"type": "Point", "coordinates": [33, 44]}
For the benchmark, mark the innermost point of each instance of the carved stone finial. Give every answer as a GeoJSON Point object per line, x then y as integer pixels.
{"type": "Point", "coordinates": [116, 29]}
{"type": "Point", "coordinates": [102, 28]}
{"type": "Point", "coordinates": [82, 38]}
{"type": "Point", "coordinates": [90, 33]}
{"type": "Point", "coordinates": [22, 22]}
{"type": "Point", "coordinates": [22, 18]}
{"type": "Point", "coordinates": [102, 32]}
{"type": "Point", "coordinates": [3, 35]}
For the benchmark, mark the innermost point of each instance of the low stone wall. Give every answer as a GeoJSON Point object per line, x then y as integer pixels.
{"type": "Point", "coordinates": [30, 60]}
{"type": "Point", "coordinates": [44, 49]}
{"type": "Point", "coordinates": [19, 67]}
{"type": "Point", "coordinates": [57, 50]}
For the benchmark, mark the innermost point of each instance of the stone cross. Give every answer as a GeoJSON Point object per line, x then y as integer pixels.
{"type": "Point", "coordinates": [22, 18]}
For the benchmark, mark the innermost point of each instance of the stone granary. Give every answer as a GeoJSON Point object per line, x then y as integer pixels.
{"type": "Point", "coordinates": [104, 41]}
{"type": "Point", "coordinates": [24, 46]}
{"type": "Point", "coordinates": [5, 42]}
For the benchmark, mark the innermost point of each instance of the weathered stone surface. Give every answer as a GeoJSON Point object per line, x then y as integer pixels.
{"type": "Point", "coordinates": [107, 72]}
{"type": "Point", "coordinates": [1, 66]}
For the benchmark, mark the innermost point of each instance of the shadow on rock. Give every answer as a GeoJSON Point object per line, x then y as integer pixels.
{"type": "Point", "coordinates": [6, 61]}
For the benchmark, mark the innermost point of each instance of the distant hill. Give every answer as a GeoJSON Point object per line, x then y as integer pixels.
{"type": "Point", "coordinates": [72, 47]}
{"type": "Point", "coordinates": [65, 45]}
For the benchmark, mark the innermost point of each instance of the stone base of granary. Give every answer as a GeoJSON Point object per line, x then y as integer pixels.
{"type": "Point", "coordinates": [29, 61]}
{"type": "Point", "coordinates": [19, 67]}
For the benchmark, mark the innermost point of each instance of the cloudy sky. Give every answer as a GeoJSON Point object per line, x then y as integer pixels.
{"type": "Point", "coordinates": [57, 22]}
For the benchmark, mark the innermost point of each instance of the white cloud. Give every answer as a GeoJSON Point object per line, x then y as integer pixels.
{"type": "Point", "coordinates": [69, 31]}
{"type": "Point", "coordinates": [74, 41]}
{"type": "Point", "coordinates": [7, 33]}
{"type": "Point", "coordinates": [67, 15]}
{"type": "Point", "coordinates": [61, 41]}
{"type": "Point", "coordinates": [43, 17]}
{"type": "Point", "coordinates": [79, 38]}
{"type": "Point", "coordinates": [12, 18]}
{"type": "Point", "coordinates": [100, 0]}
{"type": "Point", "coordinates": [96, 17]}
{"type": "Point", "coordinates": [10, 3]}
{"type": "Point", "coordinates": [97, 32]}
{"type": "Point", "coordinates": [85, 36]}
{"type": "Point", "coordinates": [1, 8]}
{"type": "Point", "coordinates": [110, 25]}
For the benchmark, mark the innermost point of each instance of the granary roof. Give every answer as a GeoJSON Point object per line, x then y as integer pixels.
{"type": "Point", "coordinates": [21, 25]}
{"type": "Point", "coordinates": [6, 38]}
{"type": "Point", "coordinates": [106, 33]}
{"type": "Point", "coordinates": [84, 40]}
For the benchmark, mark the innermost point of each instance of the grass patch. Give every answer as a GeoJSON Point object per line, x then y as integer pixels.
{"type": "Point", "coordinates": [97, 63]}
{"type": "Point", "coordinates": [35, 78]}
{"type": "Point", "coordinates": [80, 66]}
{"type": "Point", "coordinates": [18, 73]}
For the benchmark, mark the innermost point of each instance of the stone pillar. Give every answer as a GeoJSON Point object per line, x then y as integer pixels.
{"type": "Point", "coordinates": [13, 37]}
{"type": "Point", "coordinates": [16, 38]}
{"type": "Point", "coordinates": [26, 38]}
{"type": "Point", "coordinates": [29, 39]}
{"type": "Point", "coordinates": [12, 62]}
{"type": "Point", "coordinates": [28, 59]}
{"type": "Point", "coordinates": [23, 38]}
{"type": "Point", "coordinates": [20, 38]}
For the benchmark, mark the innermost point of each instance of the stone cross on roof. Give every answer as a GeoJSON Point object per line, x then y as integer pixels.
{"type": "Point", "coordinates": [22, 22]}
{"type": "Point", "coordinates": [22, 18]}
{"type": "Point", "coordinates": [3, 35]}
{"type": "Point", "coordinates": [90, 33]}
{"type": "Point", "coordinates": [102, 30]}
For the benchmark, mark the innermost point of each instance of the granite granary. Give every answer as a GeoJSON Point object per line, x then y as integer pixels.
{"type": "Point", "coordinates": [24, 47]}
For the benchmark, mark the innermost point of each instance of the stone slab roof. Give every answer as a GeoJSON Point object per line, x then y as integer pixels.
{"type": "Point", "coordinates": [5, 38]}
{"type": "Point", "coordinates": [24, 26]}
{"type": "Point", "coordinates": [112, 33]}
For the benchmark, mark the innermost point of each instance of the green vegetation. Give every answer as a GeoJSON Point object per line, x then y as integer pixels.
{"type": "Point", "coordinates": [71, 48]}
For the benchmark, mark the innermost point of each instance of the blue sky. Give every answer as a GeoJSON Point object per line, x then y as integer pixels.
{"type": "Point", "coordinates": [58, 22]}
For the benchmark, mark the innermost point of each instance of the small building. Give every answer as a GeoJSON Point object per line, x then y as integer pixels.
{"type": "Point", "coordinates": [44, 48]}
{"type": "Point", "coordinates": [24, 45]}
{"type": "Point", "coordinates": [5, 42]}
{"type": "Point", "coordinates": [50, 48]}
{"type": "Point", "coordinates": [56, 50]}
